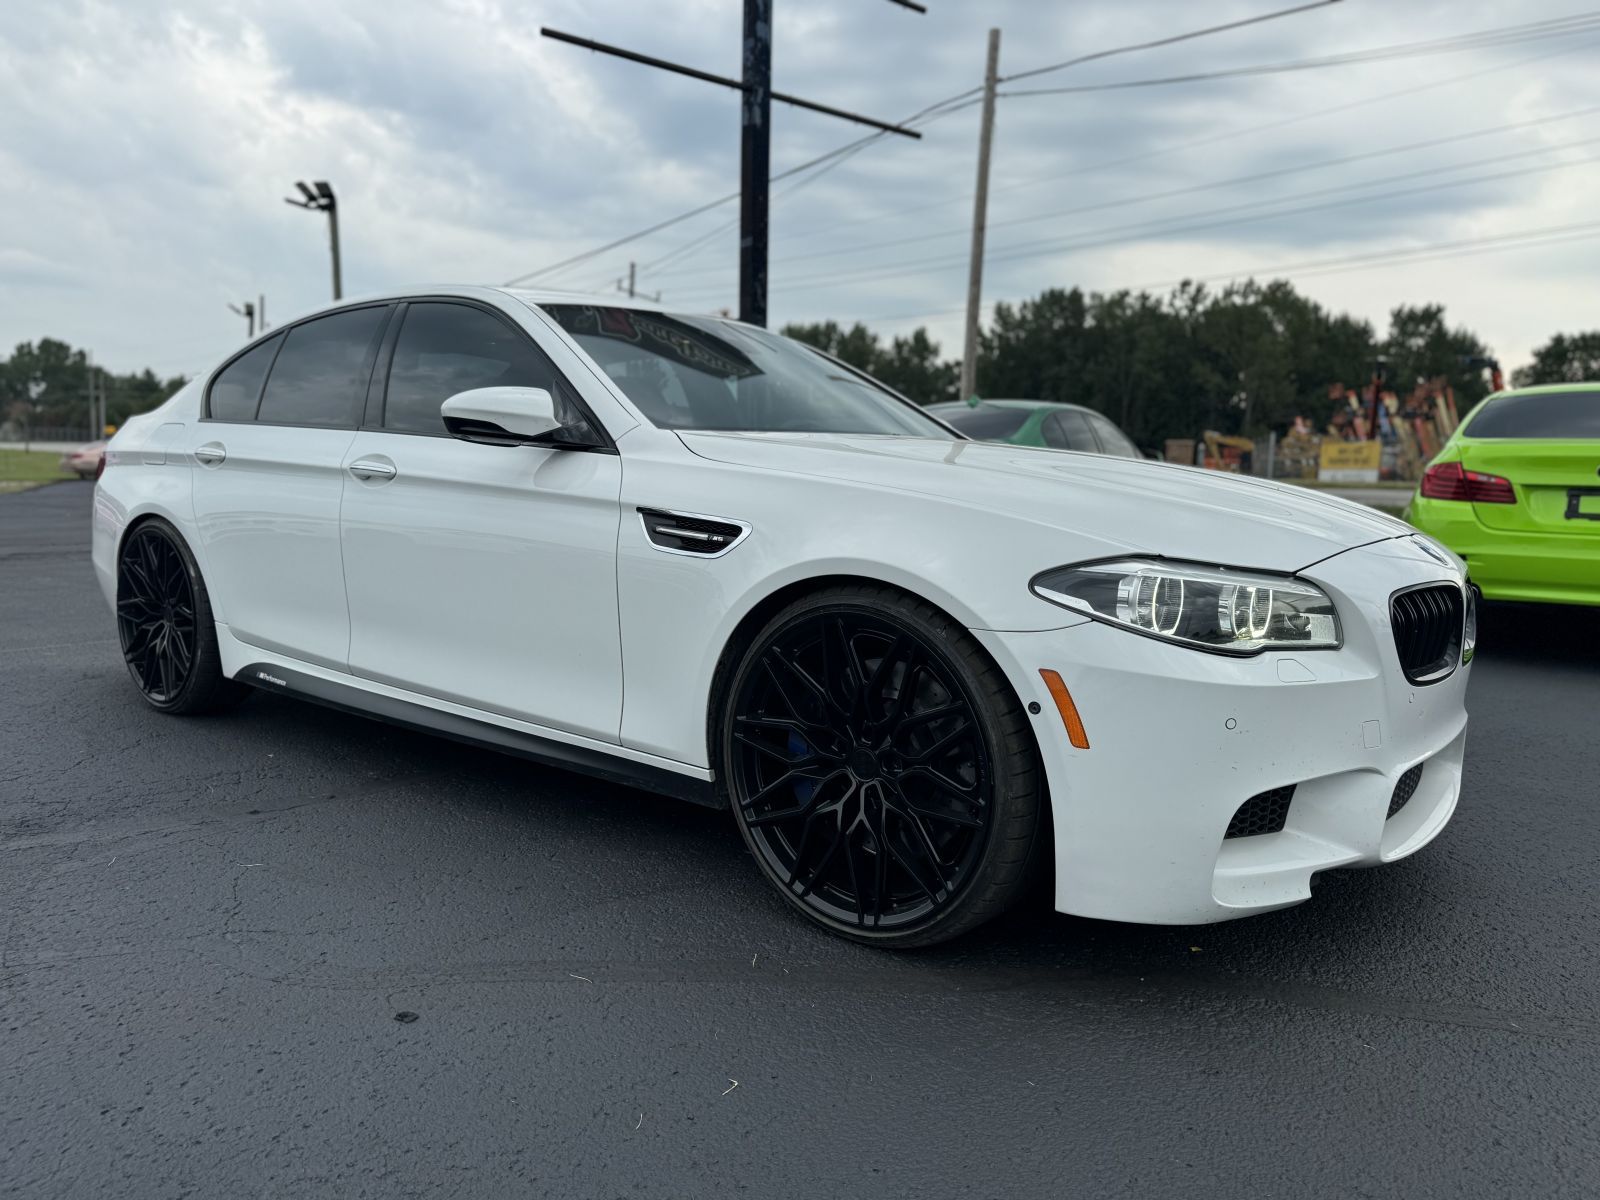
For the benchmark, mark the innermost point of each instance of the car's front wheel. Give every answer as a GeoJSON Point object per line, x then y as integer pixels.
{"type": "Point", "coordinates": [880, 767]}
{"type": "Point", "coordinates": [164, 622]}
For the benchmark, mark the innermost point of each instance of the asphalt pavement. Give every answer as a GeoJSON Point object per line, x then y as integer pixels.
{"type": "Point", "coordinates": [289, 952]}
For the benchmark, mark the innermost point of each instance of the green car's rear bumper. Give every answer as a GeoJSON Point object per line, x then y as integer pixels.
{"type": "Point", "coordinates": [1549, 568]}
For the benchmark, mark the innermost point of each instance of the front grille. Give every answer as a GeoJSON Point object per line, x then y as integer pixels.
{"type": "Point", "coordinates": [1265, 813]}
{"type": "Point", "coordinates": [1427, 630]}
{"type": "Point", "coordinates": [1404, 789]}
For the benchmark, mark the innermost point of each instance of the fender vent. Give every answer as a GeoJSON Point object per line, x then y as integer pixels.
{"type": "Point", "coordinates": [690, 533]}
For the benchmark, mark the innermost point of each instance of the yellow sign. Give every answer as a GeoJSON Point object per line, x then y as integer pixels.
{"type": "Point", "coordinates": [1349, 462]}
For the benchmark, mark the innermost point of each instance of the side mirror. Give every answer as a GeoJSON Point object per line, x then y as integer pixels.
{"type": "Point", "coordinates": [501, 416]}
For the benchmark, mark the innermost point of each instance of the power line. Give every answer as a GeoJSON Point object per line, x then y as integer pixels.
{"type": "Point", "coordinates": [926, 115]}
{"type": "Point", "coordinates": [1144, 231]}
{"type": "Point", "coordinates": [1435, 251]}
{"type": "Point", "coordinates": [1212, 139]}
{"type": "Point", "coordinates": [1488, 39]}
{"type": "Point", "coordinates": [1167, 41]}
{"type": "Point", "coordinates": [1124, 201]}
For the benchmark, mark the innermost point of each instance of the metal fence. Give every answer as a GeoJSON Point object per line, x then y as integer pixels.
{"type": "Point", "coordinates": [17, 431]}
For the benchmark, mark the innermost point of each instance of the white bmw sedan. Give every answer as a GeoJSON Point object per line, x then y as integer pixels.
{"type": "Point", "coordinates": [688, 554]}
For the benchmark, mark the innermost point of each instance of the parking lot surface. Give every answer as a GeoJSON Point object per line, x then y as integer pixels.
{"type": "Point", "coordinates": [290, 952]}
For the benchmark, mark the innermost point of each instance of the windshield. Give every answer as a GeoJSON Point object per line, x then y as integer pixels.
{"type": "Point", "coordinates": [685, 372]}
{"type": "Point", "coordinates": [1538, 415]}
{"type": "Point", "coordinates": [988, 423]}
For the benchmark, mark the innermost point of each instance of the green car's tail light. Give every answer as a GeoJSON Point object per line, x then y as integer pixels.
{"type": "Point", "coordinates": [1220, 609]}
{"type": "Point", "coordinates": [1452, 481]}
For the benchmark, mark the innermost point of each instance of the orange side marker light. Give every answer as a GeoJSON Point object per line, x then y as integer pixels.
{"type": "Point", "coordinates": [1067, 709]}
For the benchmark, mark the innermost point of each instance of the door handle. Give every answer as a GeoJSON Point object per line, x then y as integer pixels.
{"type": "Point", "coordinates": [211, 454]}
{"type": "Point", "coordinates": [366, 468]}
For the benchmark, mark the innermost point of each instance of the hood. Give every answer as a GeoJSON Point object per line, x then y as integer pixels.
{"type": "Point", "coordinates": [1136, 506]}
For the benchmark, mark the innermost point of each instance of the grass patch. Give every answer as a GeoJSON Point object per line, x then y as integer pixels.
{"type": "Point", "coordinates": [20, 469]}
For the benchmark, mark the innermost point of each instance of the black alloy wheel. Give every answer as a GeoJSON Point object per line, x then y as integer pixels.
{"type": "Point", "coordinates": [880, 768]}
{"type": "Point", "coordinates": [165, 625]}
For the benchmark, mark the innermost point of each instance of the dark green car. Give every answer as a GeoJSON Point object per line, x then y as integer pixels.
{"type": "Point", "coordinates": [1037, 423]}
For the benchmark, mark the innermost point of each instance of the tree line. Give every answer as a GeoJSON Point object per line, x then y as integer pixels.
{"type": "Point", "coordinates": [46, 384]}
{"type": "Point", "coordinates": [1243, 359]}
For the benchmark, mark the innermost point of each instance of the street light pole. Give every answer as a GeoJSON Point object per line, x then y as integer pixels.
{"type": "Point", "coordinates": [323, 200]}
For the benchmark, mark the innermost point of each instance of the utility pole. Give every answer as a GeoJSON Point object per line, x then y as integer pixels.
{"type": "Point", "coordinates": [755, 137]}
{"type": "Point", "coordinates": [261, 313]}
{"type": "Point", "coordinates": [248, 312]}
{"type": "Point", "coordinates": [323, 200]}
{"type": "Point", "coordinates": [980, 215]}
{"type": "Point", "coordinates": [631, 288]}
{"type": "Point", "coordinates": [755, 156]}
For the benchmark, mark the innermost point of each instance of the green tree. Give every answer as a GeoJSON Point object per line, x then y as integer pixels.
{"type": "Point", "coordinates": [857, 345]}
{"type": "Point", "coordinates": [48, 384]}
{"type": "Point", "coordinates": [911, 365]}
{"type": "Point", "coordinates": [1421, 346]}
{"type": "Point", "coordinates": [1565, 358]}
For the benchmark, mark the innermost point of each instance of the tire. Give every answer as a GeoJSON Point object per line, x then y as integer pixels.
{"type": "Point", "coordinates": [165, 627]}
{"type": "Point", "coordinates": [898, 816]}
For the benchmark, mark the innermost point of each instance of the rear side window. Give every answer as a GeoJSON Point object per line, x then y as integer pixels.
{"type": "Point", "coordinates": [236, 392]}
{"type": "Point", "coordinates": [1538, 415]}
{"type": "Point", "coordinates": [448, 348]}
{"type": "Point", "coordinates": [1112, 439]}
{"type": "Point", "coordinates": [320, 377]}
{"type": "Point", "coordinates": [988, 424]}
{"type": "Point", "coordinates": [1069, 430]}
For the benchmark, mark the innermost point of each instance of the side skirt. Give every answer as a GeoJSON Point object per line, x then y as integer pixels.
{"type": "Point", "coordinates": [279, 680]}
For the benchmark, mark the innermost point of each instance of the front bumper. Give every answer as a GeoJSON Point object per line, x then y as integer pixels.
{"type": "Point", "coordinates": [1179, 739]}
{"type": "Point", "coordinates": [1545, 568]}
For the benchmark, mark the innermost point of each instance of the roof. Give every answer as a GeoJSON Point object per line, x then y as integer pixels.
{"type": "Point", "coordinates": [1539, 388]}
{"type": "Point", "coordinates": [962, 405]}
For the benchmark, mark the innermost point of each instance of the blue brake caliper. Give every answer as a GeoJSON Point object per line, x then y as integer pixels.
{"type": "Point", "coordinates": [803, 787]}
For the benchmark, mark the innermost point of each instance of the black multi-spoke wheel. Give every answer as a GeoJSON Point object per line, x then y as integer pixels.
{"type": "Point", "coordinates": [165, 625]}
{"type": "Point", "coordinates": [881, 770]}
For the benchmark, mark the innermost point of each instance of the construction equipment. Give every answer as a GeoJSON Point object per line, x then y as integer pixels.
{"type": "Point", "coordinates": [1224, 452]}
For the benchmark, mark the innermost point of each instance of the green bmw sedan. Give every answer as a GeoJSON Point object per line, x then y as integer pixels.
{"type": "Point", "coordinates": [1516, 492]}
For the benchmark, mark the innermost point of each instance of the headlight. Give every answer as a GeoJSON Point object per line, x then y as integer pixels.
{"type": "Point", "coordinates": [1210, 608]}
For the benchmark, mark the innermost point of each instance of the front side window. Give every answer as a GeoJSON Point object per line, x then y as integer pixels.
{"type": "Point", "coordinates": [320, 376]}
{"type": "Point", "coordinates": [1538, 415]}
{"type": "Point", "coordinates": [237, 390]}
{"type": "Point", "coordinates": [448, 348]}
{"type": "Point", "coordinates": [1112, 439]}
{"type": "Point", "coordinates": [688, 372]}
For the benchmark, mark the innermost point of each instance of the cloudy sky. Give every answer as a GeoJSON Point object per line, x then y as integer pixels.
{"type": "Point", "coordinates": [146, 146]}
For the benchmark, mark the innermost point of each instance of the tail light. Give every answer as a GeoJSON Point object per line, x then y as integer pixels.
{"type": "Point", "coordinates": [100, 467]}
{"type": "Point", "coordinates": [1452, 481]}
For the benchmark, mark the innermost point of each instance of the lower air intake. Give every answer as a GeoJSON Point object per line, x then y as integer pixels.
{"type": "Point", "coordinates": [1404, 789]}
{"type": "Point", "coordinates": [1265, 813]}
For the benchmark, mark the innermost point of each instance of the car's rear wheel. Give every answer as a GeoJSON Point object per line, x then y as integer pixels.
{"type": "Point", "coordinates": [164, 622]}
{"type": "Point", "coordinates": [880, 767]}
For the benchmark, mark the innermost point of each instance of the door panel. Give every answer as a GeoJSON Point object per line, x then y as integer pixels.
{"type": "Point", "coordinates": [486, 575]}
{"type": "Point", "coordinates": [266, 502]}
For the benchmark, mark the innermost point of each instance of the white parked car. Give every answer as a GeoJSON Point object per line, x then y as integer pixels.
{"type": "Point", "coordinates": [689, 554]}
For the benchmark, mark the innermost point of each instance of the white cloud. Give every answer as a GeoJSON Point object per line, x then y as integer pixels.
{"type": "Point", "coordinates": [147, 146]}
